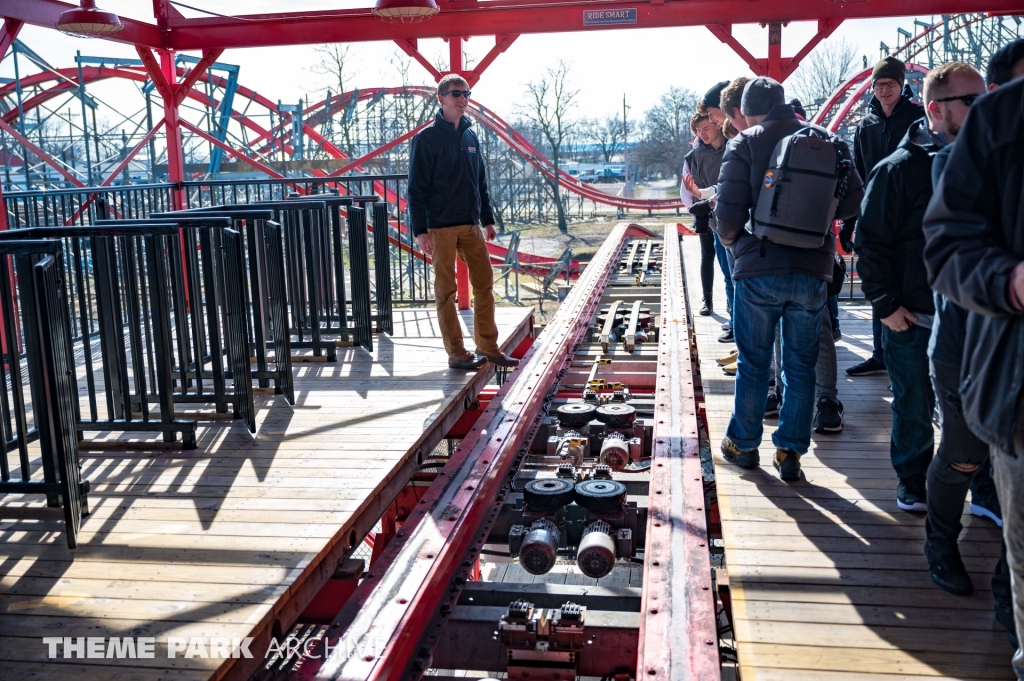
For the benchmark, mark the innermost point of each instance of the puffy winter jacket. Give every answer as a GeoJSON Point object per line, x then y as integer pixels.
{"type": "Point", "coordinates": [743, 167]}
{"type": "Point", "coordinates": [447, 182]}
{"type": "Point", "coordinates": [878, 135]}
{"type": "Point", "coordinates": [974, 231]}
{"type": "Point", "coordinates": [890, 242]}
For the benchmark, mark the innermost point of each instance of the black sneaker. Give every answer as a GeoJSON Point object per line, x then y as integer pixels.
{"type": "Point", "coordinates": [867, 367]}
{"type": "Point", "coordinates": [910, 495]}
{"type": "Point", "coordinates": [1004, 615]}
{"type": "Point", "coordinates": [773, 405]}
{"type": "Point", "coordinates": [727, 337]}
{"type": "Point", "coordinates": [470, 362]}
{"type": "Point", "coordinates": [744, 458]}
{"type": "Point", "coordinates": [947, 569]}
{"type": "Point", "coordinates": [707, 310]}
{"type": "Point", "coordinates": [787, 463]}
{"type": "Point", "coordinates": [829, 417]}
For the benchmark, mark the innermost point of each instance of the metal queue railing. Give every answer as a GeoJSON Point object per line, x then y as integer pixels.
{"type": "Point", "coordinates": [263, 291]}
{"type": "Point", "coordinates": [34, 314]}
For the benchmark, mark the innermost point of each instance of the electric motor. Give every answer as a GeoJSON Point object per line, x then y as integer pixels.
{"type": "Point", "coordinates": [540, 547]}
{"type": "Point", "coordinates": [615, 451]}
{"type": "Point", "coordinates": [596, 554]}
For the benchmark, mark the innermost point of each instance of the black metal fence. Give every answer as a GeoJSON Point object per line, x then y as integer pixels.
{"type": "Point", "coordinates": [37, 350]}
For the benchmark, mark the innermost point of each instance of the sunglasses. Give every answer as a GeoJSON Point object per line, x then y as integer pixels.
{"type": "Point", "coordinates": [459, 93]}
{"type": "Point", "coordinates": [966, 99]}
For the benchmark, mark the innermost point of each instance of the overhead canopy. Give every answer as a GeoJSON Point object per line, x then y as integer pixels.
{"type": "Point", "coordinates": [170, 30]}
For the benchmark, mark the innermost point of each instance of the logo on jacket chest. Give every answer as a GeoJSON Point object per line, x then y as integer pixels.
{"type": "Point", "coordinates": [471, 150]}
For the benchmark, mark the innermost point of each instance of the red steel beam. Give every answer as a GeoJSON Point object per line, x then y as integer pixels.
{"type": "Point", "coordinates": [392, 607]}
{"type": "Point", "coordinates": [128, 158]}
{"type": "Point", "coordinates": [45, 13]}
{"type": "Point", "coordinates": [8, 33]}
{"type": "Point", "coordinates": [231, 150]}
{"type": "Point", "coordinates": [43, 156]}
{"type": "Point", "coordinates": [537, 16]}
{"type": "Point", "coordinates": [678, 636]}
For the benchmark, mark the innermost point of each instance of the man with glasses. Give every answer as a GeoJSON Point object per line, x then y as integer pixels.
{"type": "Point", "coordinates": [448, 201]}
{"type": "Point", "coordinates": [890, 243]}
{"type": "Point", "coordinates": [891, 112]}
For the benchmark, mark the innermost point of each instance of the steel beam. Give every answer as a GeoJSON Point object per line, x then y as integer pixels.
{"type": "Point", "coordinates": [536, 16]}
{"type": "Point", "coordinates": [392, 607]}
{"type": "Point", "coordinates": [678, 637]}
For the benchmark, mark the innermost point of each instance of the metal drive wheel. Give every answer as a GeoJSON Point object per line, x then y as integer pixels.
{"type": "Point", "coordinates": [616, 415]}
{"type": "Point", "coordinates": [576, 414]}
{"type": "Point", "coordinates": [601, 496]}
{"type": "Point", "coordinates": [548, 494]}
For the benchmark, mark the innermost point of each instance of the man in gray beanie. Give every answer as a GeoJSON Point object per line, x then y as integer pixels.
{"type": "Point", "coordinates": [773, 284]}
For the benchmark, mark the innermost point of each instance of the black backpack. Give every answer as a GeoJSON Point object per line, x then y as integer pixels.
{"type": "Point", "coordinates": [801, 190]}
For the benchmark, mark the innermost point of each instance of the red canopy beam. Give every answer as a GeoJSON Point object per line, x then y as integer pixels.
{"type": "Point", "coordinates": [8, 33]}
{"type": "Point", "coordinates": [45, 13]}
{"type": "Point", "coordinates": [534, 16]}
{"type": "Point", "coordinates": [775, 66]}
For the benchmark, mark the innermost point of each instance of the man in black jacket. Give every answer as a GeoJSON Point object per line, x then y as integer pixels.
{"type": "Point", "coordinates": [974, 228]}
{"type": "Point", "coordinates": [773, 283]}
{"type": "Point", "coordinates": [877, 135]}
{"type": "Point", "coordinates": [961, 460]}
{"type": "Point", "coordinates": [448, 200]}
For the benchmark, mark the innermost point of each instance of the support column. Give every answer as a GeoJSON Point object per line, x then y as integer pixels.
{"type": "Point", "coordinates": [172, 129]}
{"type": "Point", "coordinates": [775, 51]}
{"type": "Point", "coordinates": [8, 33]}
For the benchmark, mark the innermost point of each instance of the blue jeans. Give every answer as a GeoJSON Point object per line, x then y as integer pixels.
{"type": "Point", "coordinates": [761, 303]}
{"type": "Point", "coordinates": [912, 441]}
{"type": "Point", "coordinates": [876, 335]}
{"type": "Point", "coordinates": [725, 264]}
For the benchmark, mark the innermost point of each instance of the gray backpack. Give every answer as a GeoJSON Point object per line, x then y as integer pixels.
{"type": "Point", "coordinates": [801, 190]}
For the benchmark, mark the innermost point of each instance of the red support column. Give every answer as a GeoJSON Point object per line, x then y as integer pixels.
{"type": "Point", "coordinates": [175, 152]}
{"type": "Point", "coordinates": [775, 51]}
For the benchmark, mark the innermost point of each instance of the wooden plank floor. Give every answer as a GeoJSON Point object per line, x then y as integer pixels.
{"type": "Point", "coordinates": [238, 534]}
{"type": "Point", "coordinates": [828, 576]}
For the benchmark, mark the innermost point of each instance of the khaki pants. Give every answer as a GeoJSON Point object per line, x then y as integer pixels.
{"type": "Point", "coordinates": [468, 243]}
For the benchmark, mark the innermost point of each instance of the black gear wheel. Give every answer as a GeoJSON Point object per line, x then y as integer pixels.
{"type": "Point", "coordinates": [601, 496]}
{"type": "Point", "coordinates": [548, 494]}
{"type": "Point", "coordinates": [576, 414]}
{"type": "Point", "coordinates": [616, 415]}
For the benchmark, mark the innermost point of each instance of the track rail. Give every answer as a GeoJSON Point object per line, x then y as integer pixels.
{"type": "Point", "coordinates": [407, 611]}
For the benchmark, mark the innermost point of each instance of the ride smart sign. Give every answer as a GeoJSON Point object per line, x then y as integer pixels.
{"type": "Point", "coordinates": [603, 17]}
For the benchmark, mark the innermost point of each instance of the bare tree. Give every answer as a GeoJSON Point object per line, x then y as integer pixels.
{"type": "Point", "coordinates": [827, 67]}
{"type": "Point", "coordinates": [336, 63]}
{"type": "Point", "coordinates": [548, 103]}
{"type": "Point", "coordinates": [606, 135]}
{"type": "Point", "coordinates": [665, 134]}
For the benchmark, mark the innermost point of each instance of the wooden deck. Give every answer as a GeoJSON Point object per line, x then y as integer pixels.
{"type": "Point", "coordinates": [234, 538]}
{"type": "Point", "coordinates": [828, 577]}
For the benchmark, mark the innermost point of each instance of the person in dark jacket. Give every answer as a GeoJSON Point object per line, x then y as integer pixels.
{"type": "Point", "coordinates": [961, 460]}
{"type": "Point", "coordinates": [448, 201]}
{"type": "Point", "coordinates": [974, 251]}
{"type": "Point", "coordinates": [772, 283]}
{"type": "Point", "coordinates": [889, 244]}
{"type": "Point", "coordinates": [891, 112]}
